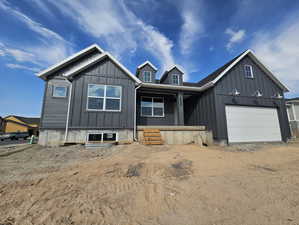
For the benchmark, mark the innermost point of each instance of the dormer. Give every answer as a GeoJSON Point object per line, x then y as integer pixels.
{"type": "Point", "coordinates": [146, 72]}
{"type": "Point", "coordinates": [173, 76]}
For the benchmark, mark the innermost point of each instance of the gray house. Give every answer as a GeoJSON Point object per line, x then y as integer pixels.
{"type": "Point", "coordinates": [293, 113]}
{"type": "Point", "coordinates": [91, 96]}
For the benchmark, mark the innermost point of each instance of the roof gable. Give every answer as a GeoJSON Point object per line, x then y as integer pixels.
{"type": "Point", "coordinates": [169, 70]}
{"type": "Point", "coordinates": [219, 73]}
{"type": "Point", "coordinates": [85, 64]}
{"type": "Point", "coordinates": [147, 63]}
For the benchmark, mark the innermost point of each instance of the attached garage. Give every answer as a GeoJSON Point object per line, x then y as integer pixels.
{"type": "Point", "coordinates": [252, 124]}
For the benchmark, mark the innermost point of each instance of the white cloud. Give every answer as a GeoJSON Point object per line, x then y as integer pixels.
{"type": "Point", "coordinates": [22, 67]}
{"type": "Point", "coordinates": [116, 25]}
{"type": "Point", "coordinates": [192, 26]}
{"type": "Point", "coordinates": [235, 37]}
{"type": "Point", "coordinates": [279, 50]}
{"type": "Point", "coordinates": [33, 25]}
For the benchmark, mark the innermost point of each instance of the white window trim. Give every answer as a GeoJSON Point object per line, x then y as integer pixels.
{"type": "Point", "coordinates": [146, 71]}
{"type": "Point", "coordinates": [102, 133]}
{"type": "Point", "coordinates": [178, 78]}
{"type": "Point", "coordinates": [104, 101]}
{"type": "Point", "coordinates": [152, 107]}
{"type": "Point", "coordinates": [251, 71]}
{"type": "Point", "coordinates": [62, 86]}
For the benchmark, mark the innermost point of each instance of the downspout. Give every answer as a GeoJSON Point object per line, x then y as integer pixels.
{"type": "Point", "coordinates": [135, 114]}
{"type": "Point", "coordinates": [68, 110]}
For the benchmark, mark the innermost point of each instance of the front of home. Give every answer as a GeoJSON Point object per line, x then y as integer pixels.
{"type": "Point", "coordinates": [91, 96]}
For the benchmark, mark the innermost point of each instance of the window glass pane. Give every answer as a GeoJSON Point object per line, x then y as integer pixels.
{"type": "Point", "coordinates": [95, 103]}
{"type": "Point", "coordinates": [146, 102]}
{"type": "Point", "coordinates": [95, 137]}
{"type": "Point", "coordinates": [112, 104]}
{"type": "Point", "coordinates": [109, 137]}
{"type": "Point", "coordinates": [147, 76]}
{"type": "Point", "coordinates": [175, 79]}
{"type": "Point", "coordinates": [96, 90]}
{"type": "Point", "coordinates": [59, 91]}
{"type": "Point", "coordinates": [158, 103]}
{"type": "Point", "coordinates": [146, 111]}
{"type": "Point", "coordinates": [158, 111]}
{"type": "Point", "coordinates": [112, 91]}
{"type": "Point", "coordinates": [248, 72]}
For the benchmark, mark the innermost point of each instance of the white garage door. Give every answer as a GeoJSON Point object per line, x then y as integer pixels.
{"type": "Point", "coordinates": [252, 124]}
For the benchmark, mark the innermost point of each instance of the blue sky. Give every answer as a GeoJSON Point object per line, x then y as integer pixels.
{"type": "Point", "coordinates": [199, 35]}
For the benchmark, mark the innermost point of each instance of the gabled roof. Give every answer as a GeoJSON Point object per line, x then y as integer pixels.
{"type": "Point", "coordinates": [219, 73]}
{"type": "Point", "coordinates": [147, 63]}
{"type": "Point", "coordinates": [43, 74]}
{"type": "Point", "coordinates": [27, 120]}
{"type": "Point", "coordinates": [170, 69]}
{"type": "Point", "coordinates": [96, 59]}
{"type": "Point", "coordinates": [293, 99]}
{"type": "Point", "coordinates": [82, 66]}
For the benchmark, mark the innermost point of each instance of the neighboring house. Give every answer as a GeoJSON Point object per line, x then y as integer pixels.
{"type": "Point", "coordinates": [21, 124]}
{"type": "Point", "coordinates": [293, 113]}
{"type": "Point", "coordinates": [91, 96]}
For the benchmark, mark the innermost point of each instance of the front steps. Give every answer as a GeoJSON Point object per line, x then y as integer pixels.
{"type": "Point", "coordinates": [152, 137]}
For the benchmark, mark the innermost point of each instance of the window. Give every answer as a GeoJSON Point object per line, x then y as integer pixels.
{"type": "Point", "coordinates": [104, 136]}
{"type": "Point", "coordinates": [147, 76]}
{"type": "Point", "coordinates": [59, 91]}
{"type": "Point", "coordinates": [248, 71]}
{"type": "Point", "coordinates": [104, 97]}
{"type": "Point", "coordinates": [152, 107]}
{"type": "Point", "coordinates": [175, 79]}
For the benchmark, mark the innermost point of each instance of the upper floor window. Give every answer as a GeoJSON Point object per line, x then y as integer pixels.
{"type": "Point", "coordinates": [152, 106]}
{"type": "Point", "coordinates": [59, 91]}
{"type": "Point", "coordinates": [248, 71]}
{"type": "Point", "coordinates": [147, 76]}
{"type": "Point", "coordinates": [104, 97]}
{"type": "Point", "coordinates": [175, 79]}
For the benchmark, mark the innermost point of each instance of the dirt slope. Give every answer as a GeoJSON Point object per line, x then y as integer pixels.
{"type": "Point", "coordinates": [162, 185]}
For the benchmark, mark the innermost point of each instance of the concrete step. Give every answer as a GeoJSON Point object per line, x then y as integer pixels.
{"type": "Point", "coordinates": [151, 135]}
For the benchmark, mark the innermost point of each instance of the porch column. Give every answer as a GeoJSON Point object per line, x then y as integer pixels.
{"type": "Point", "coordinates": [180, 108]}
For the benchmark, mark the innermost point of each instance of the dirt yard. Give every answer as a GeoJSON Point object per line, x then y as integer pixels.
{"type": "Point", "coordinates": [144, 185]}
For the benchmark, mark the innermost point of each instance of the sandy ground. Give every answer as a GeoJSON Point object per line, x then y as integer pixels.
{"type": "Point", "coordinates": [136, 184]}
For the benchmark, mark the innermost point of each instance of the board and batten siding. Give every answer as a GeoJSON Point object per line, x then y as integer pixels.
{"type": "Point", "coordinates": [199, 110]}
{"type": "Point", "coordinates": [106, 73]}
{"type": "Point", "coordinates": [169, 111]}
{"type": "Point", "coordinates": [54, 110]}
{"type": "Point", "coordinates": [168, 79]}
{"type": "Point", "coordinates": [220, 95]}
{"type": "Point", "coordinates": [147, 67]}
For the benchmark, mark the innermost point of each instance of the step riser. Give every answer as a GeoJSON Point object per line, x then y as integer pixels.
{"type": "Point", "coordinates": [152, 137]}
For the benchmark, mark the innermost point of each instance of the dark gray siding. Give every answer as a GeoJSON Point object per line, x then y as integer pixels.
{"type": "Point", "coordinates": [105, 72]}
{"type": "Point", "coordinates": [235, 78]}
{"type": "Point", "coordinates": [168, 78]}
{"type": "Point", "coordinates": [147, 68]}
{"type": "Point", "coordinates": [200, 110]}
{"type": "Point", "coordinates": [209, 109]}
{"type": "Point", "coordinates": [54, 110]}
{"type": "Point", "coordinates": [169, 111]}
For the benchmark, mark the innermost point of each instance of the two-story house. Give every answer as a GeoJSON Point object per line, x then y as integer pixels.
{"type": "Point", "coordinates": [92, 96]}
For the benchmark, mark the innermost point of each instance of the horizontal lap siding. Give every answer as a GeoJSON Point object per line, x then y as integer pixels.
{"type": "Point", "coordinates": [108, 73]}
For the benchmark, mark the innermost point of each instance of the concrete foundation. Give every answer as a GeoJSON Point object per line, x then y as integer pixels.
{"type": "Point", "coordinates": [294, 125]}
{"type": "Point", "coordinates": [56, 137]}
{"type": "Point", "coordinates": [180, 134]}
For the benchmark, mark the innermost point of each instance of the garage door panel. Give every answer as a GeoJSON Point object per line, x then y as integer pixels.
{"type": "Point", "coordinates": [252, 124]}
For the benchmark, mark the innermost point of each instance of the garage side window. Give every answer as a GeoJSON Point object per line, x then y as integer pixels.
{"type": "Point", "coordinates": [104, 98]}
{"type": "Point", "coordinates": [59, 91]}
{"type": "Point", "coordinates": [248, 71]}
{"type": "Point", "coordinates": [152, 107]}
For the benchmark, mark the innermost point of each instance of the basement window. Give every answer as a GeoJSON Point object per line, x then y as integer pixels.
{"type": "Point", "coordinates": [59, 91]}
{"type": "Point", "coordinates": [105, 136]}
{"type": "Point", "coordinates": [248, 71]}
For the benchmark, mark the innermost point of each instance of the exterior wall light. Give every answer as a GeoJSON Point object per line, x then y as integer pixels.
{"type": "Point", "coordinates": [257, 94]}
{"type": "Point", "coordinates": [235, 92]}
